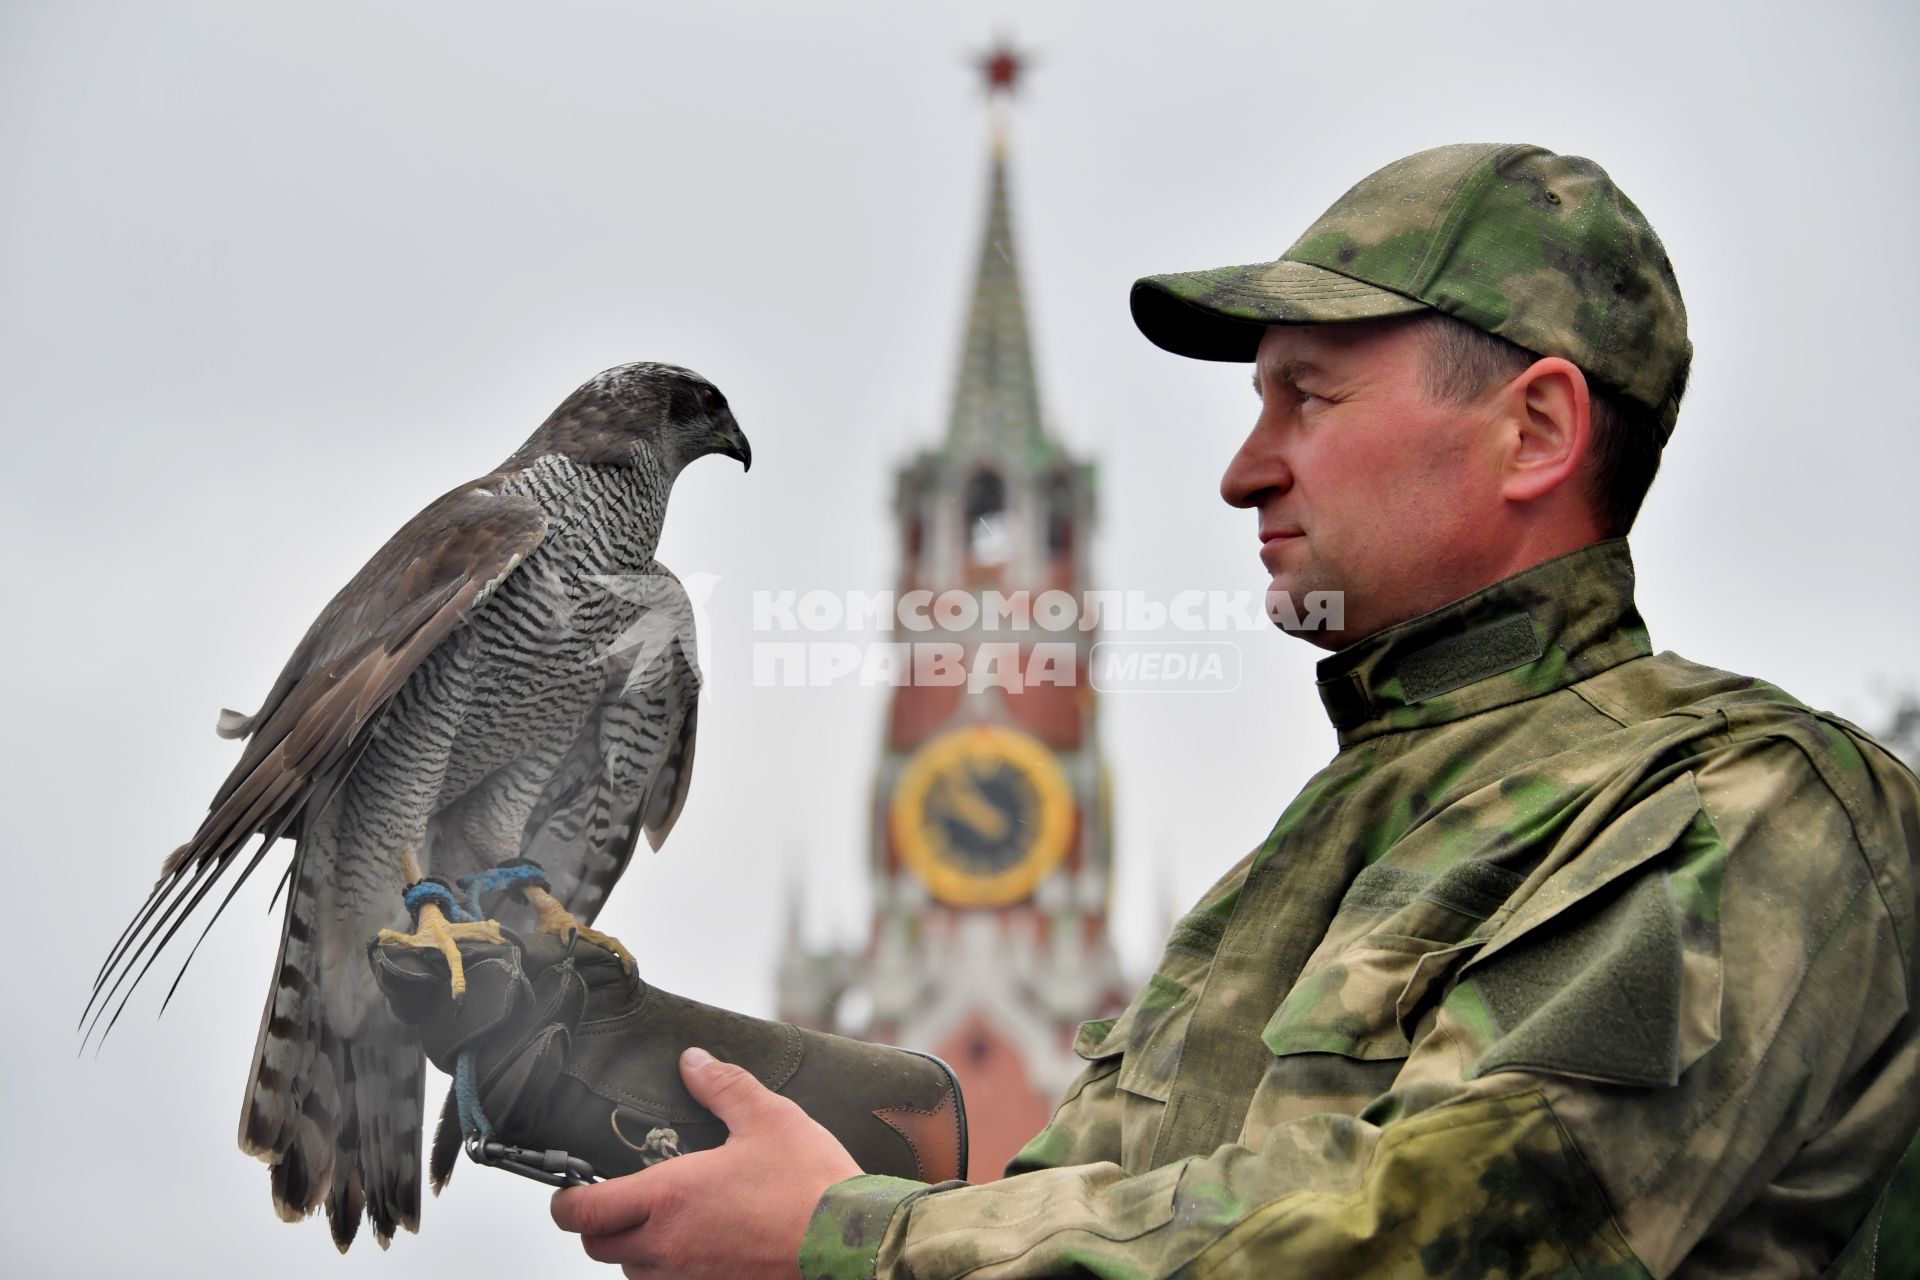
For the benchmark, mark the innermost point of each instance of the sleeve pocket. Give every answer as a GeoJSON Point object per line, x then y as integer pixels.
{"type": "Point", "coordinates": [1145, 1037]}
{"type": "Point", "coordinates": [1090, 1042]}
{"type": "Point", "coordinates": [1351, 1006]}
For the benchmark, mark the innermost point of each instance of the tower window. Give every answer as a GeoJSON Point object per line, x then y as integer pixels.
{"type": "Point", "coordinates": [1059, 515]}
{"type": "Point", "coordinates": [987, 539]}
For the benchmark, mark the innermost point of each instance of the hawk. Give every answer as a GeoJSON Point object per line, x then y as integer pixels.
{"type": "Point", "coordinates": [511, 676]}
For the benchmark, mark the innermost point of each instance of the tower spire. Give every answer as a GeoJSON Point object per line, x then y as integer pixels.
{"type": "Point", "coordinates": [996, 402]}
{"type": "Point", "coordinates": [990, 842]}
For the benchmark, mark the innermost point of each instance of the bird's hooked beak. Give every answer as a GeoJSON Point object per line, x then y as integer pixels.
{"type": "Point", "coordinates": [732, 441]}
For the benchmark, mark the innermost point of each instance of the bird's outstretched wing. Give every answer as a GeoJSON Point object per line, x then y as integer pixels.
{"type": "Point", "coordinates": [420, 586]}
{"type": "Point", "coordinates": [629, 770]}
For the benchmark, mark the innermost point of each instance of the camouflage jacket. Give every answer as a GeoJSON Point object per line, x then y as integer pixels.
{"type": "Point", "coordinates": [1574, 961]}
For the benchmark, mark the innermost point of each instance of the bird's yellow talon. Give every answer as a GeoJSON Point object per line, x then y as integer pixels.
{"type": "Point", "coordinates": [557, 920]}
{"type": "Point", "coordinates": [436, 931]}
{"type": "Point", "coordinates": [600, 939]}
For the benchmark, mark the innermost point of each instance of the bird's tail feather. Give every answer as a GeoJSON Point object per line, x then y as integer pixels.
{"type": "Point", "coordinates": [447, 1140]}
{"type": "Point", "coordinates": [389, 1080]}
{"type": "Point", "coordinates": [347, 1195]}
{"type": "Point", "coordinates": [292, 1084]}
{"type": "Point", "coordinates": [337, 1118]}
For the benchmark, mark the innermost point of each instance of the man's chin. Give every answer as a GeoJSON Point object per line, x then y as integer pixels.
{"type": "Point", "coordinates": [1331, 641]}
{"type": "Point", "coordinates": [1308, 609]}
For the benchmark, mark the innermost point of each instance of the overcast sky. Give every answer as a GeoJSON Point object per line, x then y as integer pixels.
{"type": "Point", "coordinates": [274, 275]}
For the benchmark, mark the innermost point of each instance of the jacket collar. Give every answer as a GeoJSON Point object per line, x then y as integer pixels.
{"type": "Point", "coordinates": [1540, 630]}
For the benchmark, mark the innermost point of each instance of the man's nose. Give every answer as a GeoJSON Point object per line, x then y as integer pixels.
{"type": "Point", "coordinates": [1254, 469]}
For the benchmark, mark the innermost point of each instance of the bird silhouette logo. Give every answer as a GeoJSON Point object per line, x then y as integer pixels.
{"type": "Point", "coordinates": [672, 613]}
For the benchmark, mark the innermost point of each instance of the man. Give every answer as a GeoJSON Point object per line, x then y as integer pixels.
{"type": "Point", "coordinates": [1575, 960]}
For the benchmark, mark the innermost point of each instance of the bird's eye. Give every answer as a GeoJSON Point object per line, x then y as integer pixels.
{"type": "Point", "coordinates": [711, 401]}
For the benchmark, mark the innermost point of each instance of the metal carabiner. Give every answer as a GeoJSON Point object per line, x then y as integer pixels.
{"type": "Point", "coordinates": [554, 1168]}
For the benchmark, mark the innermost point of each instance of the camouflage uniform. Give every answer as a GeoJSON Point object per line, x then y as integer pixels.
{"type": "Point", "coordinates": [1576, 960]}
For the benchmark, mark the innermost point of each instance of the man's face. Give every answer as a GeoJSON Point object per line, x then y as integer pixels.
{"type": "Point", "coordinates": [1363, 485]}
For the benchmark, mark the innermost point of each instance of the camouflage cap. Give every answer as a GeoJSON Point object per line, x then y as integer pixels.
{"type": "Point", "coordinates": [1541, 249]}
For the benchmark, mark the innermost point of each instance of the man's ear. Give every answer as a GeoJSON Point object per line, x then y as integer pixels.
{"type": "Point", "coordinates": [1550, 428]}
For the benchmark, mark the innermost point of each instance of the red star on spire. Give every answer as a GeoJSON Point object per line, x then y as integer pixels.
{"type": "Point", "coordinates": [1002, 67]}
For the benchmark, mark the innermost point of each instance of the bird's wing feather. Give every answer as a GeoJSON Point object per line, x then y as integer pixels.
{"type": "Point", "coordinates": [629, 770]}
{"type": "Point", "coordinates": [673, 775]}
{"type": "Point", "coordinates": [429, 578]}
{"type": "Point", "coordinates": [667, 794]}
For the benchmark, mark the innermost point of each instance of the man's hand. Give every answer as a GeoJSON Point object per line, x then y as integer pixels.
{"type": "Point", "coordinates": [738, 1210]}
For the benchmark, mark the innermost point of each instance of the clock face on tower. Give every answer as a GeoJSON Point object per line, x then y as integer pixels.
{"type": "Point", "coordinates": [982, 814]}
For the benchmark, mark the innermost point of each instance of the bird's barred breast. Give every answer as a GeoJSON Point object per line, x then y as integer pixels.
{"type": "Point", "coordinates": [525, 671]}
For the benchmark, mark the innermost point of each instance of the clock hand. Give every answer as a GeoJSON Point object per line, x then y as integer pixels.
{"type": "Point", "coordinates": [965, 802]}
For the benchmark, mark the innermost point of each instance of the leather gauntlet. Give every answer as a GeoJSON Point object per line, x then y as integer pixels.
{"type": "Point", "coordinates": [568, 1052]}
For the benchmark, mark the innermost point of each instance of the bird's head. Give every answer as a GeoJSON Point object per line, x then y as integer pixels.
{"type": "Point", "coordinates": [677, 414]}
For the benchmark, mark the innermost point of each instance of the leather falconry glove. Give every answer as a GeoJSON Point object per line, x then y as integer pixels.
{"type": "Point", "coordinates": [565, 1057]}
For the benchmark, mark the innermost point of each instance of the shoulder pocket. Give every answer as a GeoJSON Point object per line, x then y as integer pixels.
{"type": "Point", "coordinates": [1611, 972]}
